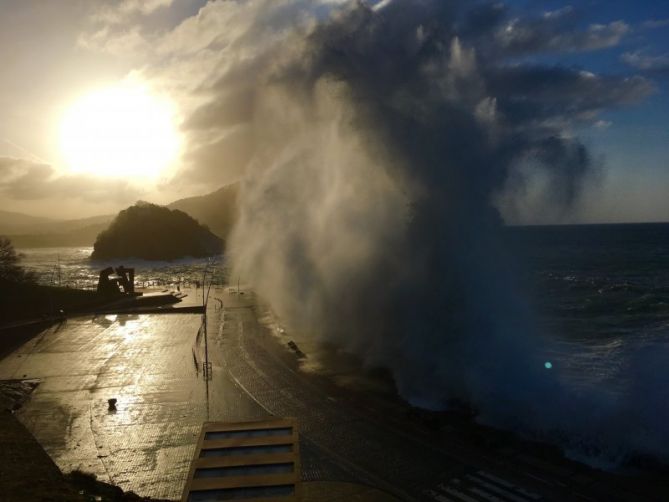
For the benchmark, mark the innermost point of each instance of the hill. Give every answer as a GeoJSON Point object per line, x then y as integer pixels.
{"type": "Point", "coordinates": [155, 232]}
{"type": "Point", "coordinates": [11, 221]}
{"type": "Point", "coordinates": [23, 224]}
{"type": "Point", "coordinates": [217, 210]}
{"type": "Point", "coordinates": [84, 236]}
{"type": "Point", "coordinates": [27, 231]}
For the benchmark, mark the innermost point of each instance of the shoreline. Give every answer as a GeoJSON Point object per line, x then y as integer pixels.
{"type": "Point", "coordinates": [646, 474]}
{"type": "Point", "coordinates": [322, 360]}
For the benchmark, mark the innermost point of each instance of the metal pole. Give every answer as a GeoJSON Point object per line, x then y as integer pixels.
{"type": "Point", "coordinates": [206, 346]}
{"type": "Point", "coordinates": [211, 281]}
{"type": "Point", "coordinates": [207, 372]}
{"type": "Point", "coordinates": [206, 389]}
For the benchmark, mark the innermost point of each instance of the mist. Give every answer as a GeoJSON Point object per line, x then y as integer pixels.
{"type": "Point", "coordinates": [390, 142]}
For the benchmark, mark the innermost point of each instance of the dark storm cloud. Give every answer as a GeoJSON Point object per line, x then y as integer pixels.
{"type": "Point", "coordinates": [530, 95]}
{"type": "Point", "coordinates": [484, 19]}
{"type": "Point", "coordinates": [542, 95]}
{"type": "Point", "coordinates": [498, 31]}
{"type": "Point", "coordinates": [25, 180]}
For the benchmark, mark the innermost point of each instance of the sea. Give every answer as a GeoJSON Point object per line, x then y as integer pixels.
{"type": "Point", "coordinates": [72, 267]}
{"type": "Point", "coordinates": [600, 294]}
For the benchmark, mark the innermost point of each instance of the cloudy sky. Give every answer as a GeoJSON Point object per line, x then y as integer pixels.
{"type": "Point", "coordinates": [194, 64]}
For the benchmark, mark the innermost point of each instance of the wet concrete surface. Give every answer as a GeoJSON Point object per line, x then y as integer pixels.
{"type": "Point", "coordinates": [152, 365]}
{"type": "Point", "coordinates": [26, 471]}
{"type": "Point", "coordinates": [146, 363]}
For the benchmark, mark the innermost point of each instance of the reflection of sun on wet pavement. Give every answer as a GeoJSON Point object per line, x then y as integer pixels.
{"type": "Point", "coordinates": [145, 363]}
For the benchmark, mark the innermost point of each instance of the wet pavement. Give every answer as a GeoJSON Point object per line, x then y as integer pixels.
{"type": "Point", "coordinates": [145, 362]}
{"type": "Point", "coordinates": [152, 365]}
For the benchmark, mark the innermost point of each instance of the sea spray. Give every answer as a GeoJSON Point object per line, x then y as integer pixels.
{"type": "Point", "coordinates": [389, 140]}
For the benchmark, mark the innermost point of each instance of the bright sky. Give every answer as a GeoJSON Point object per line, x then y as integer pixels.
{"type": "Point", "coordinates": [148, 67]}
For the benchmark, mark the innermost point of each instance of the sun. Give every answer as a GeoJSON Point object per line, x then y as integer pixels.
{"type": "Point", "coordinates": [121, 131]}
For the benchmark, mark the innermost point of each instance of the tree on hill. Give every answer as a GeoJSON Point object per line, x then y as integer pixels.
{"type": "Point", "coordinates": [10, 270]}
{"type": "Point", "coordinates": [154, 232]}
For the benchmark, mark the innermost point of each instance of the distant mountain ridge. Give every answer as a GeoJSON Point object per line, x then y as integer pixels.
{"type": "Point", "coordinates": [10, 220]}
{"type": "Point", "coordinates": [217, 210]}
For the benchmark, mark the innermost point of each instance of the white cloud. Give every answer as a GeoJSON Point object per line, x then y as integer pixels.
{"type": "Point", "coordinates": [656, 23]}
{"type": "Point", "coordinates": [127, 8]}
{"type": "Point", "coordinates": [552, 34]}
{"type": "Point", "coordinates": [643, 61]}
{"type": "Point", "coordinates": [116, 43]}
{"type": "Point", "coordinates": [554, 14]}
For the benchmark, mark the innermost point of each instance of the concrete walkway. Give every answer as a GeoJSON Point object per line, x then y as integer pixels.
{"type": "Point", "coordinates": [146, 363]}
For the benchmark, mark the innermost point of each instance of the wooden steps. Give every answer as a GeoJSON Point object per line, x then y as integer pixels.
{"type": "Point", "coordinates": [251, 461]}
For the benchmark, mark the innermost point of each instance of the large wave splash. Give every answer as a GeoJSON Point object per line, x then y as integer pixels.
{"type": "Point", "coordinates": [386, 138]}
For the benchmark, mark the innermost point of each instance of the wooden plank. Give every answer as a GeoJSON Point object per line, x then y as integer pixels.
{"type": "Point", "coordinates": [264, 459]}
{"type": "Point", "coordinates": [272, 499]}
{"type": "Point", "coordinates": [289, 498]}
{"type": "Point", "coordinates": [201, 484]}
{"type": "Point", "coordinates": [247, 426]}
{"type": "Point", "coordinates": [252, 441]}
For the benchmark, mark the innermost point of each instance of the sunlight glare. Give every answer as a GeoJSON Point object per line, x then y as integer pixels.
{"type": "Point", "coordinates": [120, 131]}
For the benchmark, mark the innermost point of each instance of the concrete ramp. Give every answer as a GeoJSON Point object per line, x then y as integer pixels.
{"type": "Point", "coordinates": [251, 461]}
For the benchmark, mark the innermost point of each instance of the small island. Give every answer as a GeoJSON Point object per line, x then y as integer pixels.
{"type": "Point", "coordinates": [153, 232]}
